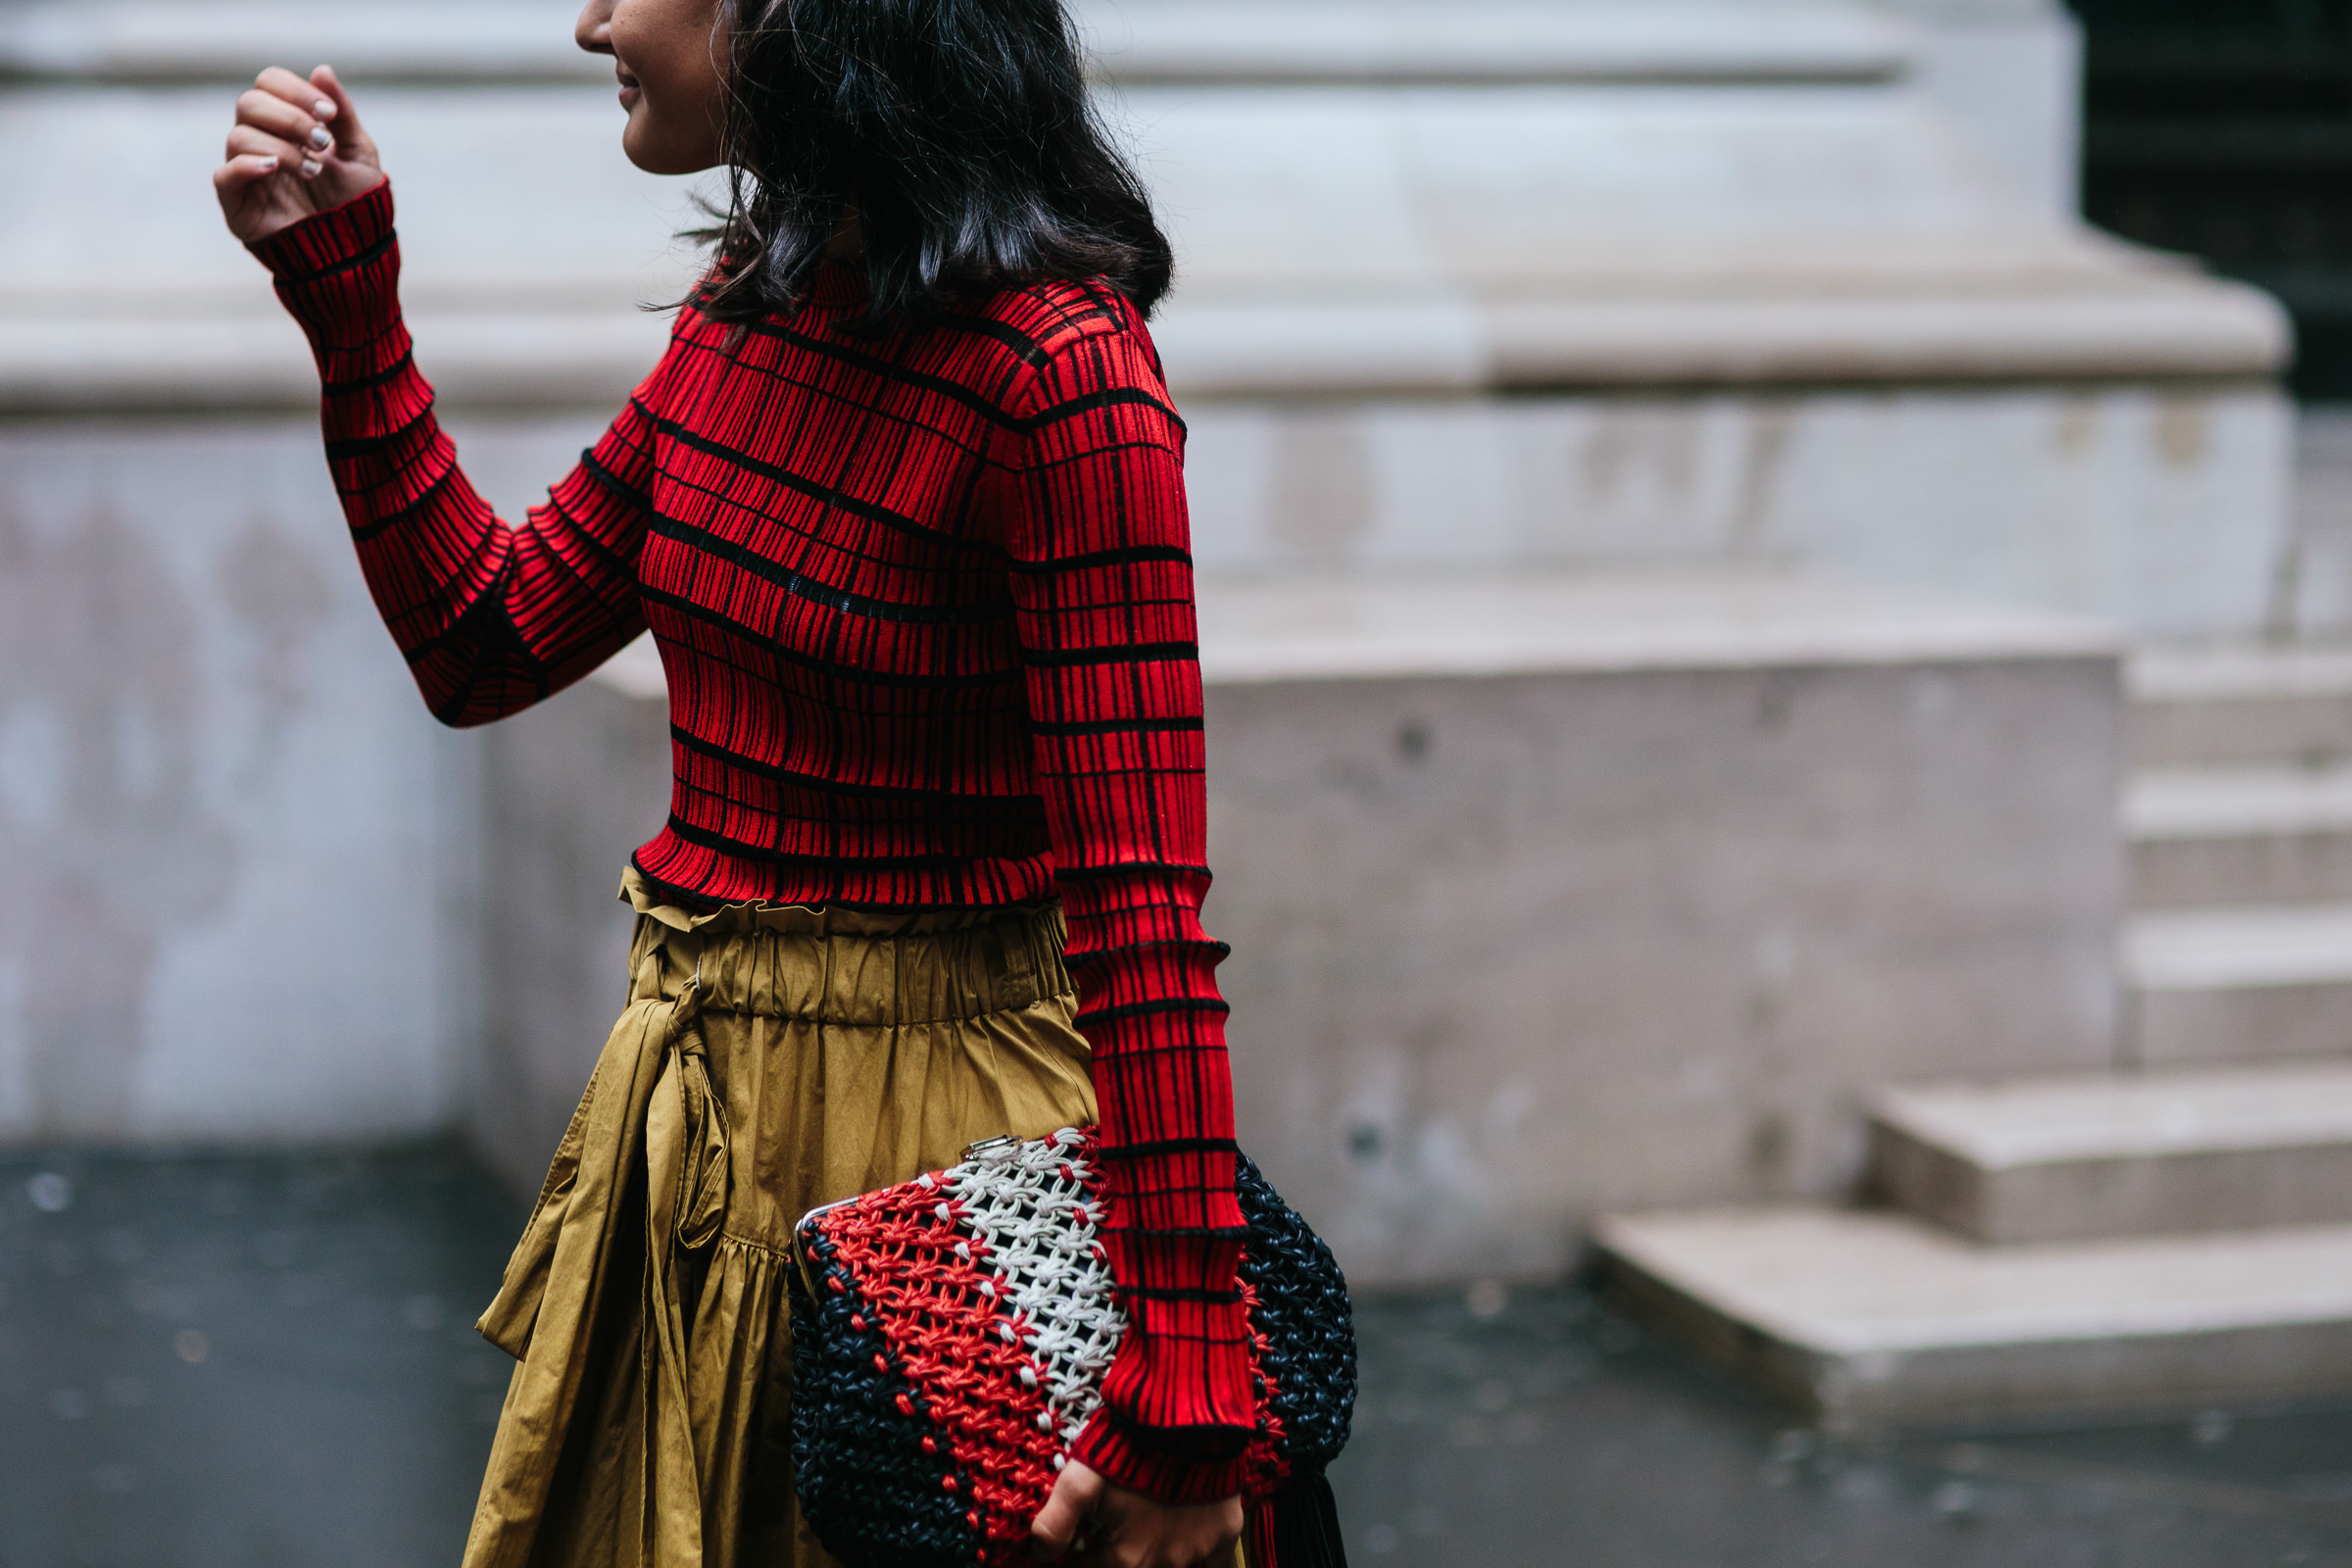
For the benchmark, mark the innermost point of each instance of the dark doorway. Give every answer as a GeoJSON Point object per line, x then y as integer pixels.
{"type": "Point", "coordinates": [2223, 128]}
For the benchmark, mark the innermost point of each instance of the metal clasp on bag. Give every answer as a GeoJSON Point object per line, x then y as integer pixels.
{"type": "Point", "coordinates": [1002, 1142]}
{"type": "Point", "coordinates": [800, 1243]}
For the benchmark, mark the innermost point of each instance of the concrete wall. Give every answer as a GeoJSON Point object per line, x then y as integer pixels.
{"type": "Point", "coordinates": [2011, 71]}
{"type": "Point", "coordinates": [568, 790]}
{"type": "Point", "coordinates": [1510, 952]}
{"type": "Point", "coordinates": [219, 800]}
{"type": "Point", "coordinates": [241, 851]}
{"type": "Point", "coordinates": [2317, 580]}
{"type": "Point", "coordinates": [2139, 506]}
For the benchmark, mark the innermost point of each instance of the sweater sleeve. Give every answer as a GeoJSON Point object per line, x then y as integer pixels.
{"type": "Point", "coordinates": [491, 617]}
{"type": "Point", "coordinates": [1103, 589]}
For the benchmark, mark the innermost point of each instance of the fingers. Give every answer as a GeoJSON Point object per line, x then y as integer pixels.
{"type": "Point", "coordinates": [1130, 1531]}
{"type": "Point", "coordinates": [243, 169]}
{"type": "Point", "coordinates": [341, 116]}
{"type": "Point", "coordinates": [297, 94]}
{"type": "Point", "coordinates": [259, 153]}
{"type": "Point", "coordinates": [1076, 1491]}
{"type": "Point", "coordinates": [293, 133]}
{"type": "Point", "coordinates": [314, 117]}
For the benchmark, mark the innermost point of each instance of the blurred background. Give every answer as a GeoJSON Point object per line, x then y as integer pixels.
{"type": "Point", "coordinates": [1776, 604]}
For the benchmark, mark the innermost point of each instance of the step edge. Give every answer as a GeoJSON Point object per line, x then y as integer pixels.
{"type": "Point", "coordinates": [1995, 1161]}
{"type": "Point", "coordinates": [2161, 949]}
{"type": "Point", "coordinates": [1619, 1238]}
{"type": "Point", "coordinates": [1960, 1121]}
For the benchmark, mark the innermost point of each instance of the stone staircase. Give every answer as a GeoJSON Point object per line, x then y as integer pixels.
{"type": "Point", "coordinates": [2239, 816]}
{"type": "Point", "coordinates": [2175, 1233]}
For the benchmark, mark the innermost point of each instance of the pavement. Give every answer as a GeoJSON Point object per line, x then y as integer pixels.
{"type": "Point", "coordinates": [269, 1362]}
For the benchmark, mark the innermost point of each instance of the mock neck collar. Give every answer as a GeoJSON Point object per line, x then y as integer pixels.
{"type": "Point", "coordinates": [838, 286]}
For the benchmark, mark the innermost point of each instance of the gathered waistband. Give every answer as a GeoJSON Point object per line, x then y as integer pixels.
{"type": "Point", "coordinates": [850, 966]}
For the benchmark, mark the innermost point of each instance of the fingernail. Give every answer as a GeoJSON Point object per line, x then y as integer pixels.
{"type": "Point", "coordinates": [311, 167]}
{"type": "Point", "coordinates": [265, 162]}
{"type": "Point", "coordinates": [325, 109]}
{"type": "Point", "coordinates": [321, 141]}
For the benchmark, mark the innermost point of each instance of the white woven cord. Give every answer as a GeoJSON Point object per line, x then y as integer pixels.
{"type": "Point", "coordinates": [1035, 1229]}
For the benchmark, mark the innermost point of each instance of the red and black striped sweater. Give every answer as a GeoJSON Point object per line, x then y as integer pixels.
{"type": "Point", "coordinates": [926, 610]}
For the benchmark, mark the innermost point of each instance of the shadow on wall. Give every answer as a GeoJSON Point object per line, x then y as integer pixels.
{"type": "Point", "coordinates": [217, 799]}
{"type": "Point", "coordinates": [242, 856]}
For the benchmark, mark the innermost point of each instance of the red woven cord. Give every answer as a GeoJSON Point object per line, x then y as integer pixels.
{"type": "Point", "coordinates": [1264, 1467]}
{"type": "Point", "coordinates": [926, 609]}
{"type": "Point", "coordinates": [937, 1312]}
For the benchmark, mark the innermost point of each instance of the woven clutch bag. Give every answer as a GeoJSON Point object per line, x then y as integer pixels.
{"type": "Point", "coordinates": [948, 1340]}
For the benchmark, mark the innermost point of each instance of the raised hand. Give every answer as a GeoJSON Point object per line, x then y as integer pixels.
{"type": "Point", "coordinates": [296, 148]}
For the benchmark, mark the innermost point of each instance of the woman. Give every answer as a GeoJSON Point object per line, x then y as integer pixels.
{"type": "Point", "coordinates": [902, 506]}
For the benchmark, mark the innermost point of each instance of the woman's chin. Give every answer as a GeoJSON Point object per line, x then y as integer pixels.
{"type": "Point", "coordinates": [657, 154]}
{"type": "Point", "coordinates": [647, 153]}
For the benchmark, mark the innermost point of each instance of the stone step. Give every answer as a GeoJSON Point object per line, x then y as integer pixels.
{"type": "Point", "coordinates": [2239, 985]}
{"type": "Point", "coordinates": [1874, 1318]}
{"type": "Point", "coordinates": [2242, 705]}
{"type": "Point", "coordinates": [2239, 836]}
{"type": "Point", "coordinates": [2054, 1159]}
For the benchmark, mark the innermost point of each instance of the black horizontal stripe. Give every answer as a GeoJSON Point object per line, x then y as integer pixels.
{"type": "Point", "coordinates": [695, 898]}
{"type": "Point", "coordinates": [361, 445]}
{"type": "Point", "coordinates": [862, 674]}
{"type": "Point", "coordinates": [1128, 555]}
{"type": "Point", "coordinates": [1087, 403]}
{"type": "Point", "coordinates": [614, 482]}
{"type": "Point", "coordinates": [1120, 654]}
{"type": "Point", "coordinates": [1169, 1146]}
{"type": "Point", "coordinates": [1163, 1292]}
{"type": "Point", "coordinates": [348, 263]}
{"type": "Point", "coordinates": [1197, 1233]}
{"type": "Point", "coordinates": [575, 529]}
{"type": "Point", "coordinates": [1099, 306]}
{"type": "Point", "coordinates": [361, 533]}
{"type": "Point", "coordinates": [705, 838]}
{"type": "Point", "coordinates": [889, 371]}
{"type": "Point", "coordinates": [957, 391]}
{"type": "Point", "coordinates": [1098, 955]}
{"type": "Point", "coordinates": [1030, 352]}
{"type": "Point", "coordinates": [374, 378]}
{"type": "Point", "coordinates": [827, 495]}
{"type": "Point", "coordinates": [829, 786]}
{"type": "Point", "coordinates": [818, 592]}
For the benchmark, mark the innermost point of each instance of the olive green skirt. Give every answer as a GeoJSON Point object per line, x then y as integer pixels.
{"type": "Point", "coordinates": [769, 1060]}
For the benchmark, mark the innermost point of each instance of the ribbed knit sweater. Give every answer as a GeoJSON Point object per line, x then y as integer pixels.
{"type": "Point", "coordinates": [925, 609]}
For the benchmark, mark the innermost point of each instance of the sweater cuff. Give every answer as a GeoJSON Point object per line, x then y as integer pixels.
{"type": "Point", "coordinates": [1179, 1400]}
{"type": "Point", "coordinates": [1125, 1456]}
{"type": "Point", "coordinates": [338, 276]}
{"type": "Point", "coordinates": [330, 241]}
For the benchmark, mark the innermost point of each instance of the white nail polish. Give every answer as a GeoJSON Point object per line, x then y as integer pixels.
{"type": "Point", "coordinates": [311, 167]}
{"type": "Point", "coordinates": [321, 141]}
{"type": "Point", "coordinates": [266, 165]}
{"type": "Point", "coordinates": [324, 108]}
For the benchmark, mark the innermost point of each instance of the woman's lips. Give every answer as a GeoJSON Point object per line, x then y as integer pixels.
{"type": "Point", "coordinates": [629, 89]}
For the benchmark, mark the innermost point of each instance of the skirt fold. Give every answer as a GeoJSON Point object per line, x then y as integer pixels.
{"type": "Point", "coordinates": [768, 1060]}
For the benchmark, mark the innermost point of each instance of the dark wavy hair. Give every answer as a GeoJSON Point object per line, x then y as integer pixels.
{"type": "Point", "coordinates": [959, 131]}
